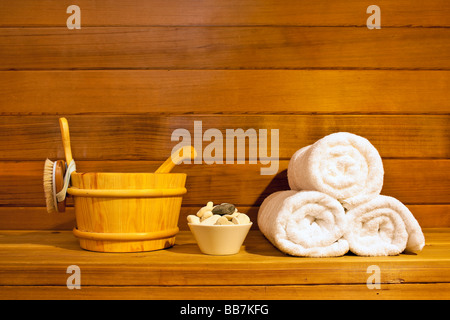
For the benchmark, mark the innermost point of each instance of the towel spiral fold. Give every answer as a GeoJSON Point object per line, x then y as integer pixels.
{"type": "Point", "coordinates": [342, 165]}
{"type": "Point", "coordinates": [307, 223]}
{"type": "Point", "coordinates": [382, 227]}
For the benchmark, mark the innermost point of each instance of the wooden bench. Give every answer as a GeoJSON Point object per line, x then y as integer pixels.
{"type": "Point", "coordinates": [136, 72]}
{"type": "Point", "coordinates": [36, 267]}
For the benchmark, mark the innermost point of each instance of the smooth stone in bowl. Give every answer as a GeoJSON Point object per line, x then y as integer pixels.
{"type": "Point", "coordinates": [224, 208]}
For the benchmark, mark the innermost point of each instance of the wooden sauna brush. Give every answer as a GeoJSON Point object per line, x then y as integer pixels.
{"type": "Point", "coordinates": [53, 183]}
{"type": "Point", "coordinates": [57, 176]}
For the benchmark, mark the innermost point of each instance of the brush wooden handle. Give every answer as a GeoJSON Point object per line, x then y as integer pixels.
{"type": "Point", "coordinates": [60, 171]}
{"type": "Point", "coordinates": [66, 139]}
{"type": "Point", "coordinates": [175, 158]}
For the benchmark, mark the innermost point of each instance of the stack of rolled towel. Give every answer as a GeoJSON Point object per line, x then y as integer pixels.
{"type": "Point", "coordinates": [335, 205]}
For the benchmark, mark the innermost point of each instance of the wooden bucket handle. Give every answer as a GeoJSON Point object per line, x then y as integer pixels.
{"type": "Point", "coordinates": [188, 152]}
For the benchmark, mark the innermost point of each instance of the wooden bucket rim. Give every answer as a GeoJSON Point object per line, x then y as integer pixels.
{"type": "Point", "coordinates": [127, 193]}
{"type": "Point", "coordinates": [128, 173]}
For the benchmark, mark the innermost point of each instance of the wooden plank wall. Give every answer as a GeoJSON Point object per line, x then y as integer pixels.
{"type": "Point", "coordinates": [137, 70]}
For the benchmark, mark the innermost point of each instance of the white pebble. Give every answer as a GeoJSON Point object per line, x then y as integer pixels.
{"type": "Point", "coordinates": [235, 220]}
{"type": "Point", "coordinates": [209, 206]}
{"type": "Point", "coordinates": [243, 218]}
{"type": "Point", "coordinates": [202, 211]}
{"type": "Point", "coordinates": [231, 216]}
{"type": "Point", "coordinates": [206, 215]}
{"type": "Point", "coordinates": [193, 219]}
{"type": "Point", "coordinates": [223, 221]}
{"type": "Point", "coordinates": [211, 220]}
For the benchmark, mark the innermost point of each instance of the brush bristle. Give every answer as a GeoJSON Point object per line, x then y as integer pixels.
{"type": "Point", "coordinates": [48, 186]}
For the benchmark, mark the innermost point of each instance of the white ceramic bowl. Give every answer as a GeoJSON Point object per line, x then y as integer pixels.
{"type": "Point", "coordinates": [221, 239]}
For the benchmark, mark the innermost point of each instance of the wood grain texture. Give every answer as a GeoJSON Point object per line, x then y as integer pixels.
{"type": "Point", "coordinates": [224, 48]}
{"type": "Point", "coordinates": [41, 258]}
{"type": "Point", "coordinates": [139, 69]}
{"type": "Point", "coordinates": [148, 137]}
{"type": "Point", "coordinates": [409, 291]}
{"type": "Point", "coordinates": [411, 181]}
{"type": "Point", "coordinates": [216, 12]}
{"type": "Point", "coordinates": [37, 218]}
{"type": "Point", "coordinates": [224, 91]}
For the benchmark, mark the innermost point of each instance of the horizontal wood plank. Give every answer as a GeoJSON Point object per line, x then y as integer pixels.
{"type": "Point", "coordinates": [122, 120]}
{"type": "Point", "coordinates": [148, 137]}
{"type": "Point", "coordinates": [224, 48]}
{"type": "Point", "coordinates": [411, 181]}
{"type": "Point", "coordinates": [216, 12]}
{"type": "Point", "coordinates": [407, 291]}
{"type": "Point", "coordinates": [224, 91]}
{"type": "Point", "coordinates": [37, 218]}
{"type": "Point", "coordinates": [41, 258]}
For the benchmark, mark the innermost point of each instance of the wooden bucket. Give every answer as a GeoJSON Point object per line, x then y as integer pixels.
{"type": "Point", "coordinates": [127, 212]}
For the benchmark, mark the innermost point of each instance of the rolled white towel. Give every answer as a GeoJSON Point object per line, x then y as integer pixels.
{"type": "Point", "coordinates": [305, 223]}
{"type": "Point", "coordinates": [342, 165]}
{"type": "Point", "coordinates": [381, 227]}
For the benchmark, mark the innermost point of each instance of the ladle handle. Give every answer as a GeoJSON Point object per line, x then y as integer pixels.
{"type": "Point", "coordinates": [66, 139]}
{"type": "Point", "coordinates": [188, 152]}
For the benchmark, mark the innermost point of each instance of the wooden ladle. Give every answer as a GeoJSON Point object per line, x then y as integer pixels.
{"type": "Point", "coordinates": [187, 152]}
